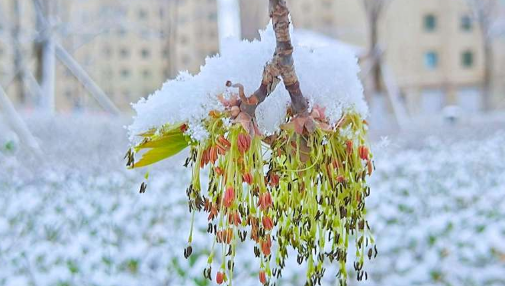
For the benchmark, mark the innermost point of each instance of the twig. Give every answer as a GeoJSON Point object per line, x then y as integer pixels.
{"type": "Point", "coordinates": [279, 13]}
{"type": "Point", "coordinates": [282, 65]}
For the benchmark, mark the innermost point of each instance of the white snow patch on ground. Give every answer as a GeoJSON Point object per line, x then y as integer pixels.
{"type": "Point", "coordinates": [437, 213]}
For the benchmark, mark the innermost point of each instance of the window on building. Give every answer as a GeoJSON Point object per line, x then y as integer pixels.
{"type": "Point", "coordinates": [107, 51]}
{"type": "Point", "coordinates": [184, 39]}
{"type": "Point", "coordinates": [183, 19]}
{"type": "Point", "coordinates": [107, 73]}
{"type": "Point", "coordinates": [125, 73]}
{"type": "Point", "coordinates": [467, 59]}
{"type": "Point", "coordinates": [121, 32]}
{"type": "Point", "coordinates": [146, 33]}
{"type": "Point", "coordinates": [145, 53]}
{"type": "Point", "coordinates": [165, 53]}
{"type": "Point", "coordinates": [212, 16]}
{"type": "Point", "coordinates": [142, 14]}
{"type": "Point", "coordinates": [431, 60]}
{"type": "Point", "coordinates": [430, 22]}
{"type": "Point", "coordinates": [124, 53]}
{"type": "Point", "coordinates": [466, 23]}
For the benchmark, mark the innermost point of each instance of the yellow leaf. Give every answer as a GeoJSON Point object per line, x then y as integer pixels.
{"type": "Point", "coordinates": [167, 144]}
{"type": "Point", "coordinates": [160, 153]}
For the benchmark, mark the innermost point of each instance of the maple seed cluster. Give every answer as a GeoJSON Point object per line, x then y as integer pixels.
{"type": "Point", "coordinates": [308, 194]}
{"type": "Point", "coordinates": [302, 188]}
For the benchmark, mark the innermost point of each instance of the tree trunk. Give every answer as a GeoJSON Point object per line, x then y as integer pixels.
{"type": "Point", "coordinates": [18, 53]}
{"type": "Point", "coordinates": [488, 76]}
{"type": "Point", "coordinates": [374, 41]}
{"type": "Point", "coordinates": [284, 55]}
{"type": "Point", "coordinates": [282, 65]}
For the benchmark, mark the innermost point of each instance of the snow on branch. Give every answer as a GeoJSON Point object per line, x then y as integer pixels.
{"type": "Point", "coordinates": [328, 76]}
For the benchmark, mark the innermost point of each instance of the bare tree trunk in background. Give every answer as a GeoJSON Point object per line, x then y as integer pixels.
{"type": "Point", "coordinates": [373, 11]}
{"type": "Point", "coordinates": [38, 49]}
{"type": "Point", "coordinates": [372, 48]}
{"type": "Point", "coordinates": [173, 37]}
{"type": "Point", "coordinates": [484, 13]}
{"type": "Point", "coordinates": [47, 62]}
{"type": "Point", "coordinates": [487, 82]}
{"type": "Point", "coordinates": [18, 52]}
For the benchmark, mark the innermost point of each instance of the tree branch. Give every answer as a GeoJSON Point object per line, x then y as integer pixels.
{"type": "Point", "coordinates": [279, 13]}
{"type": "Point", "coordinates": [281, 65]}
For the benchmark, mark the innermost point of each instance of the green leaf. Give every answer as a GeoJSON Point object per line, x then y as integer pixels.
{"type": "Point", "coordinates": [171, 141]}
{"type": "Point", "coordinates": [162, 141]}
{"type": "Point", "coordinates": [161, 152]}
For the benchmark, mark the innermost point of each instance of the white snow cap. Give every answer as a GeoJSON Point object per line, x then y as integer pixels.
{"type": "Point", "coordinates": [328, 77]}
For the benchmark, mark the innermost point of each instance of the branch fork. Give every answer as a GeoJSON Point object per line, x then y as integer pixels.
{"type": "Point", "coordinates": [281, 66]}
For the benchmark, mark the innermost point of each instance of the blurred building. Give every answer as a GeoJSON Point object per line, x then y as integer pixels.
{"type": "Point", "coordinates": [129, 47]}
{"type": "Point", "coordinates": [433, 47]}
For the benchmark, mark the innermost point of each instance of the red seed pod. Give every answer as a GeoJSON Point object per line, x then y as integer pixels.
{"type": "Point", "coordinates": [260, 201]}
{"type": "Point", "coordinates": [220, 150]}
{"type": "Point", "coordinates": [214, 114]}
{"type": "Point", "coordinates": [219, 278]}
{"type": "Point", "coordinates": [218, 171]}
{"type": "Point", "coordinates": [219, 236]}
{"type": "Point", "coordinates": [349, 144]}
{"type": "Point", "coordinates": [363, 152]}
{"type": "Point", "coordinates": [247, 178]}
{"type": "Point", "coordinates": [237, 219]}
{"type": "Point", "coordinates": [274, 180]}
{"type": "Point", "coordinates": [266, 245]}
{"type": "Point", "coordinates": [370, 167]}
{"type": "Point", "coordinates": [184, 127]}
{"type": "Point", "coordinates": [336, 164]}
{"type": "Point", "coordinates": [213, 155]}
{"type": "Point", "coordinates": [229, 197]}
{"type": "Point", "coordinates": [265, 201]}
{"type": "Point", "coordinates": [228, 236]}
{"type": "Point", "coordinates": [267, 223]}
{"type": "Point", "coordinates": [340, 179]}
{"type": "Point", "coordinates": [234, 218]}
{"type": "Point", "coordinates": [243, 142]}
{"type": "Point", "coordinates": [205, 157]}
{"type": "Point", "coordinates": [224, 142]}
{"type": "Point", "coordinates": [263, 277]}
{"type": "Point", "coordinates": [212, 213]}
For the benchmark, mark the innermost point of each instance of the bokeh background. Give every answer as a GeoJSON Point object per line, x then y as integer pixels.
{"type": "Point", "coordinates": [71, 214]}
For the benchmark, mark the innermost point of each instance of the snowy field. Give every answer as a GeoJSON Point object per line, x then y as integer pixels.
{"type": "Point", "coordinates": [76, 217]}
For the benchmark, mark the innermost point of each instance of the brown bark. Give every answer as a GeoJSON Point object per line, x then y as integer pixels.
{"type": "Point", "coordinates": [282, 65]}
{"type": "Point", "coordinates": [284, 55]}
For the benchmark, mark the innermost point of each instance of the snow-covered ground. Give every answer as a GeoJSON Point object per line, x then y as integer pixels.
{"type": "Point", "coordinates": [76, 218]}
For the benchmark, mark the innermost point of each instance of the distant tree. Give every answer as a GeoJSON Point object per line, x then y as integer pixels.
{"type": "Point", "coordinates": [487, 14]}
{"type": "Point", "coordinates": [373, 12]}
{"type": "Point", "coordinates": [18, 51]}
